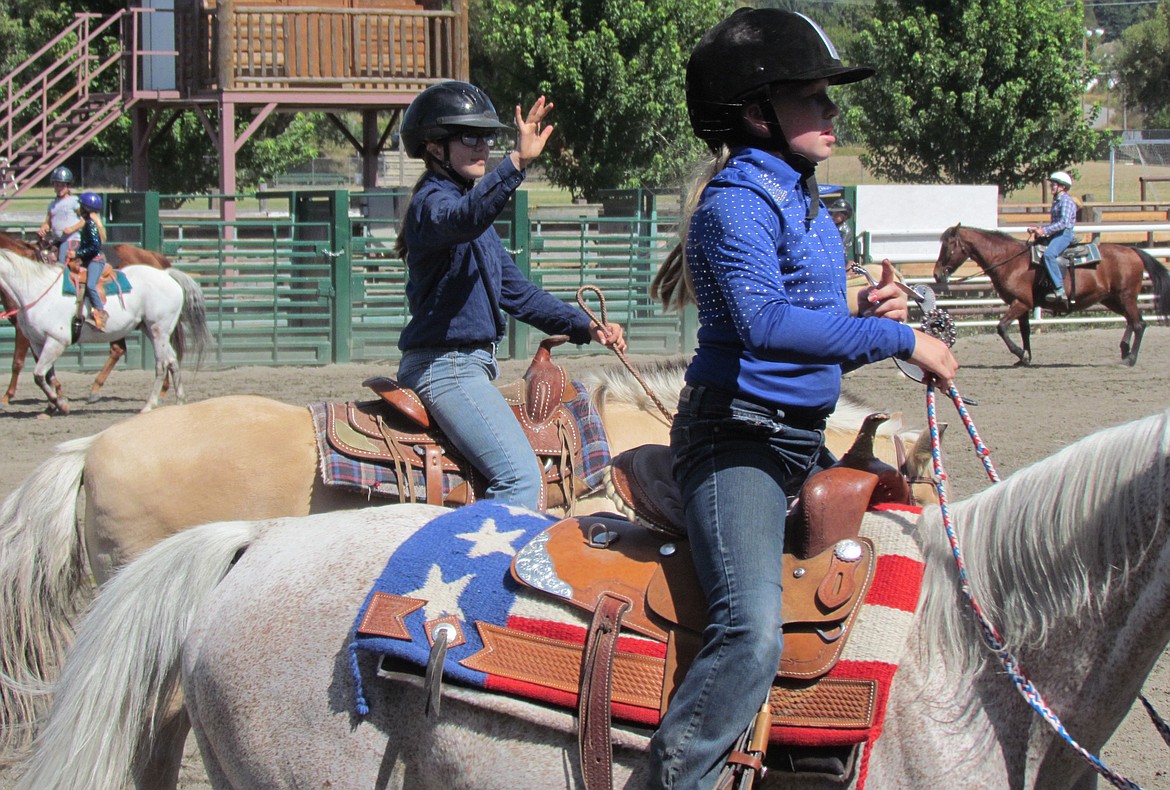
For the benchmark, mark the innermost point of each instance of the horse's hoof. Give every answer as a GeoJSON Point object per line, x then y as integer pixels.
{"type": "Point", "coordinates": [93, 398]}
{"type": "Point", "coordinates": [1130, 361]}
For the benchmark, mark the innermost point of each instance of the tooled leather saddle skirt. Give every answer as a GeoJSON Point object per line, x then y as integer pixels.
{"type": "Point", "coordinates": [395, 431]}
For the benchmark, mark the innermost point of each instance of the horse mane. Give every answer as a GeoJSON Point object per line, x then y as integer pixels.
{"type": "Point", "coordinates": [1047, 544]}
{"type": "Point", "coordinates": [996, 234]}
{"type": "Point", "coordinates": [664, 377]}
{"type": "Point", "coordinates": [19, 246]}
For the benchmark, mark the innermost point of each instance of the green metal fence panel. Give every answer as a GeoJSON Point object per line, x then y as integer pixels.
{"type": "Point", "coordinates": [312, 277]}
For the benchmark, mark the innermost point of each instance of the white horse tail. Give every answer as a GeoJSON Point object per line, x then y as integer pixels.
{"type": "Point", "coordinates": [194, 315]}
{"type": "Point", "coordinates": [122, 673]}
{"type": "Point", "coordinates": [43, 573]}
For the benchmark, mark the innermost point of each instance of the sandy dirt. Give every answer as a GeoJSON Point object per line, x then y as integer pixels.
{"type": "Point", "coordinates": [1075, 387]}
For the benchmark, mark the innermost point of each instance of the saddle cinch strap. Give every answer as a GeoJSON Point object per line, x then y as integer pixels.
{"type": "Point", "coordinates": [397, 431]}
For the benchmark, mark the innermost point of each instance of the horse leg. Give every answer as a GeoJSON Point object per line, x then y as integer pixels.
{"type": "Point", "coordinates": [1017, 311]}
{"type": "Point", "coordinates": [45, 377]}
{"type": "Point", "coordinates": [160, 768]}
{"type": "Point", "coordinates": [117, 351]}
{"type": "Point", "coordinates": [165, 362]}
{"type": "Point", "coordinates": [1128, 355]}
{"type": "Point", "coordinates": [19, 354]}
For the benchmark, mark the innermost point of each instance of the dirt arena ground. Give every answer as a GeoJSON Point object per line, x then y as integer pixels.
{"type": "Point", "coordinates": [1074, 388]}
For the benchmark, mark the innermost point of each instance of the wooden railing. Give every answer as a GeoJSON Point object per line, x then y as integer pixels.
{"type": "Point", "coordinates": [275, 48]}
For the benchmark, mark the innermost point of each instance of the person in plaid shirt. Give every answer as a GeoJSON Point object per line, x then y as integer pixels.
{"type": "Point", "coordinates": [1058, 232]}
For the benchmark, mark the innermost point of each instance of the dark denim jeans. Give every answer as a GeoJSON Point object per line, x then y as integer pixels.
{"type": "Point", "coordinates": [456, 387]}
{"type": "Point", "coordinates": [736, 463]}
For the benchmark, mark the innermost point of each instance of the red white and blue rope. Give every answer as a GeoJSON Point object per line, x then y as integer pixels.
{"type": "Point", "coordinates": [990, 634]}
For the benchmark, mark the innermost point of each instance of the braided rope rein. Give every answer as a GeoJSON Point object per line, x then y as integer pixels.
{"type": "Point", "coordinates": [990, 634]}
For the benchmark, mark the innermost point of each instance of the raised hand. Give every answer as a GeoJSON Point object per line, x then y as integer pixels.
{"type": "Point", "coordinates": [531, 132]}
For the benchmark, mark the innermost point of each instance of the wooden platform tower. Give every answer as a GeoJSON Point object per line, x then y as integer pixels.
{"type": "Point", "coordinates": [224, 60]}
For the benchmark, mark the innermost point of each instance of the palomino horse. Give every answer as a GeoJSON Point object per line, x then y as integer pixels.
{"type": "Point", "coordinates": [153, 475]}
{"type": "Point", "coordinates": [122, 255]}
{"type": "Point", "coordinates": [1069, 557]}
{"type": "Point", "coordinates": [157, 300]}
{"type": "Point", "coordinates": [1114, 282]}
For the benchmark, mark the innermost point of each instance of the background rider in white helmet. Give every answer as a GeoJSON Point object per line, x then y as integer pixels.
{"type": "Point", "coordinates": [1058, 233]}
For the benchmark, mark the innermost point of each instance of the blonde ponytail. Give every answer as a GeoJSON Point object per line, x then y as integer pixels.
{"type": "Point", "coordinates": [673, 283]}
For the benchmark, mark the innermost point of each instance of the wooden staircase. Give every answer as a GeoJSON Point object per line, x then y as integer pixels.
{"type": "Point", "coordinates": [48, 113]}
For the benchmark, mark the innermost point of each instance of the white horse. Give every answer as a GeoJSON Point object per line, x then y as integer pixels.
{"type": "Point", "coordinates": [157, 301]}
{"type": "Point", "coordinates": [153, 475]}
{"type": "Point", "coordinates": [1069, 557]}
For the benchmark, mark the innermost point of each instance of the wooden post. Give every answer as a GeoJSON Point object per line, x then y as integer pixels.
{"type": "Point", "coordinates": [225, 44]}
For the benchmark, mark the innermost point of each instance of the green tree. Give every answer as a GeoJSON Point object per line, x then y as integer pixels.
{"type": "Point", "coordinates": [1144, 67]}
{"type": "Point", "coordinates": [973, 91]}
{"type": "Point", "coordinates": [183, 160]}
{"type": "Point", "coordinates": [614, 70]}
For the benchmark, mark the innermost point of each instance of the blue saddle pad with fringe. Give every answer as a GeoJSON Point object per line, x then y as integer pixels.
{"type": "Point", "coordinates": [123, 286]}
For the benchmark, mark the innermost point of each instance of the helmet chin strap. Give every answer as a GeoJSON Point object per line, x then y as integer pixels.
{"type": "Point", "coordinates": [445, 165]}
{"type": "Point", "coordinates": [800, 163]}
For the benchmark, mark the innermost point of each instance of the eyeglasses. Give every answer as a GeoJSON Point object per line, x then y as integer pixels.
{"type": "Point", "coordinates": [473, 139]}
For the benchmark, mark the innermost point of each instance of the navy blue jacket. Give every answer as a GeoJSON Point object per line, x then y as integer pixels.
{"type": "Point", "coordinates": [459, 275]}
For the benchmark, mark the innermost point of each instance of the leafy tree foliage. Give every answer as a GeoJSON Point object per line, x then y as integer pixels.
{"type": "Point", "coordinates": [183, 161]}
{"type": "Point", "coordinates": [614, 70]}
{"type": "Point", "coordinates": [1114, 17]}
{"type": "Point", "coordinates": [973, 91]}
{"type": "Point", "coordinates": [1144, 66]}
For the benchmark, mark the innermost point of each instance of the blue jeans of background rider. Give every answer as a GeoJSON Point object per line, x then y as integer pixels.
{"type": "Point", "coordinates": [66, 244]}
{"type": "Point", "coordinates": [735, 463]}
{"type": "Point", "coordinates": [1056, 245]}
{"type": "Point", "coordinates": [456, 386]}
{"type": "Point", "coordinates": [93, 274]}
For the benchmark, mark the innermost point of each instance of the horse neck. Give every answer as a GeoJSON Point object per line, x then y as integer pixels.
{"type": "Point", "coordinates": [1069, 559]}
{"type": "Point", "coordinates": [1004, 255]}
{"type": "Point", "coordinates": [24, 279]}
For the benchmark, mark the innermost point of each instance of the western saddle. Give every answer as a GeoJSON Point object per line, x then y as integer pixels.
{"type": "Point", "coordinates": [641, 578]}
{"type": "Point", "coordinates": [396, 431]}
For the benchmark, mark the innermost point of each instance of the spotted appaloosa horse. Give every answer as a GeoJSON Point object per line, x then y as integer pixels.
{"type": "Point", "coordinates": [1115, 282]}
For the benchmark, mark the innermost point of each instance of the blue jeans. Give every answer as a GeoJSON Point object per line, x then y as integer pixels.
{"type": "Point", "coordinates": [93, 274]}
{"type": "Point", "coordinates": [735, 463]}
{"type": "Point", "coordinates": [67, 243]}
{"type": "Point", "coordinates": [1056, 245]}
{"type": "Point", "coordinates": [456, 387]}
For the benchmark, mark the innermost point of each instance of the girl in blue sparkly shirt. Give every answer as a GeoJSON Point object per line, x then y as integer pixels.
{"type": "Point", "coordinates": [764, 264]}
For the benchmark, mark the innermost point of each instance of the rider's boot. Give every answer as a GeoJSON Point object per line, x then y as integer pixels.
{"type": "Point", "coordinates": [98, 318]}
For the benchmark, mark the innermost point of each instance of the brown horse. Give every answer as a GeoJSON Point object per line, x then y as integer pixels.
{"type": "Point", "coordinates": [1113, 282]}
{"type": "Point", "coordinates": [120, 255]}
